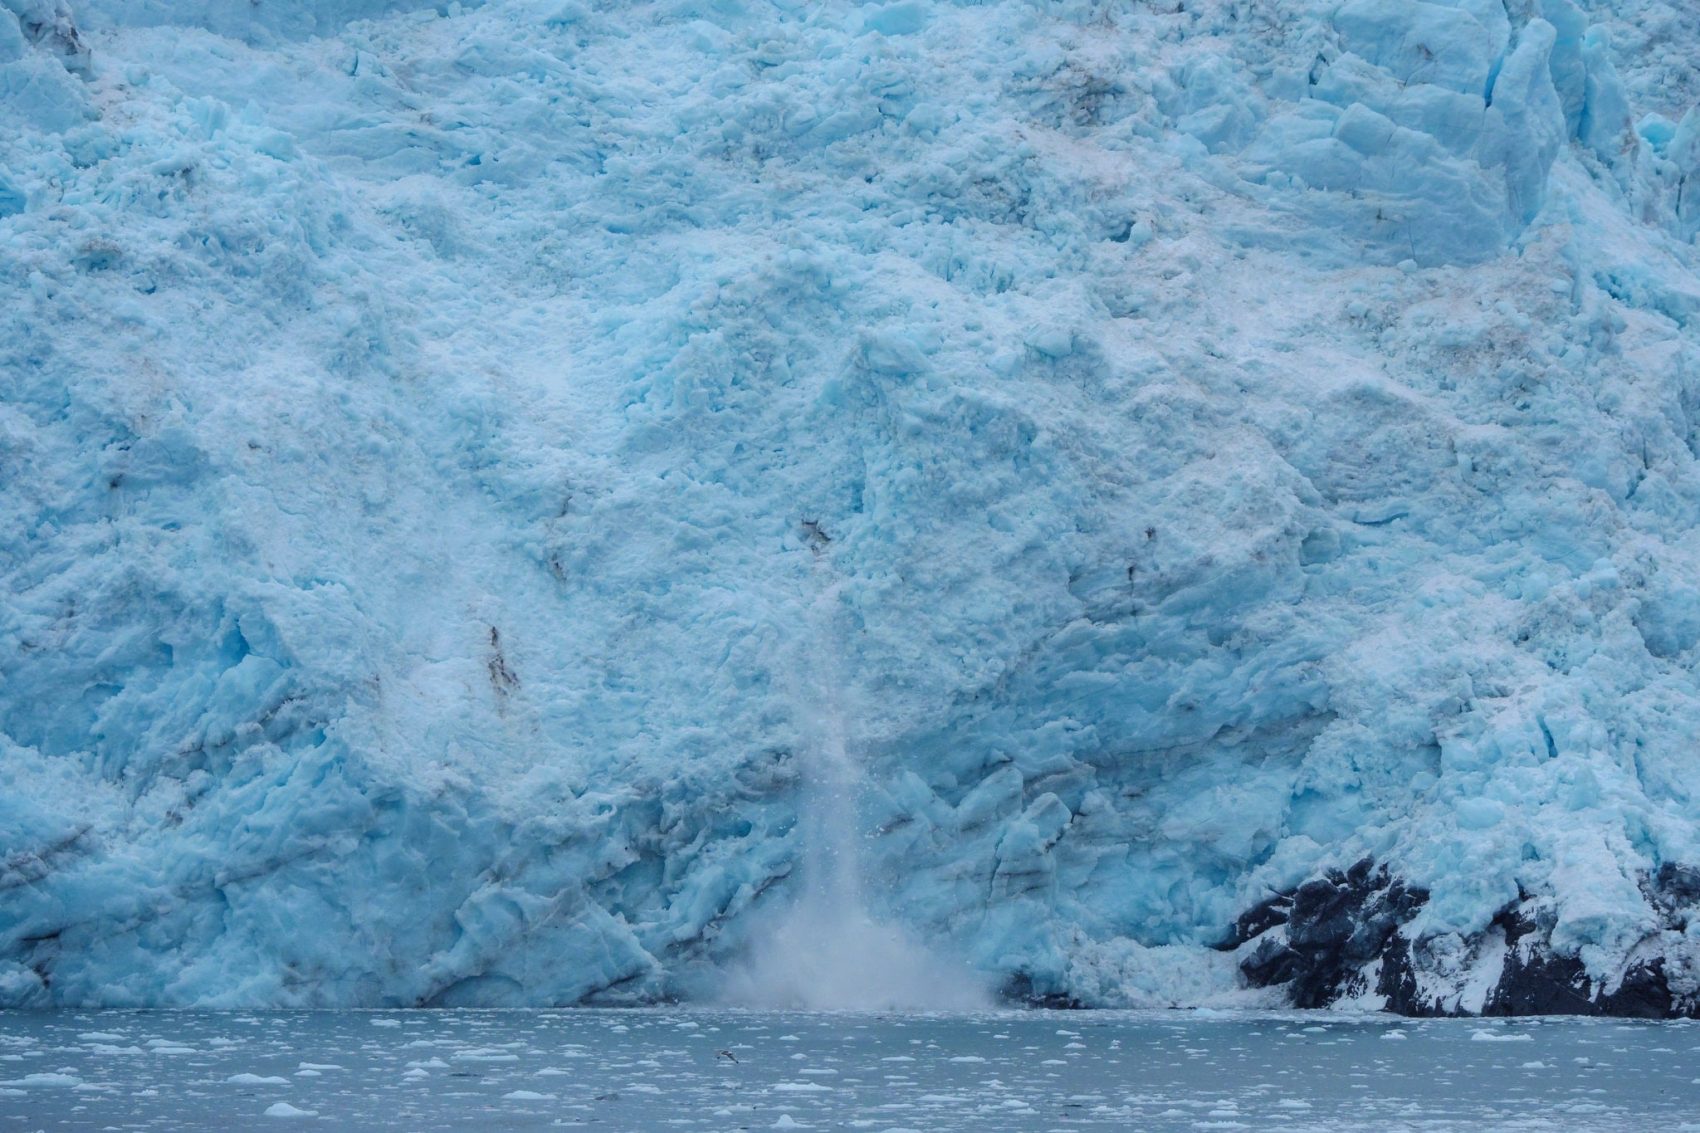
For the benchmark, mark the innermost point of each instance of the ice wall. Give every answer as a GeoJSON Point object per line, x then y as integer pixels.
{"type": "Point", "coordinates": [259, 23]}
{"type": "Point", "coordinates": [1248, 439]}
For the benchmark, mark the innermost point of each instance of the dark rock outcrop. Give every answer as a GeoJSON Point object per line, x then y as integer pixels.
{"type": "Point", "coordinates": [1538, 981]}
{"type": "Point", "coordinates": [1318, 939]}
{"type": "Point", "coordinates": [1329, 938]}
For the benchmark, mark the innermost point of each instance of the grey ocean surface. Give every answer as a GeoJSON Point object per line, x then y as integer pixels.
{"type": "Point", "coordinates": [667, 1069]}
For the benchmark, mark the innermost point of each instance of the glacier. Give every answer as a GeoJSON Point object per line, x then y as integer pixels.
{"type": "Point", "coordinates": [1249, 448]}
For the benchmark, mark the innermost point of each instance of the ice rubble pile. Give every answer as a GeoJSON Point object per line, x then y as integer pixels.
{"type": "Point", "coordinates": [1254, 445]}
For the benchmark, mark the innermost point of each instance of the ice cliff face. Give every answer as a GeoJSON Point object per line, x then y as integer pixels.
{"type": "Point", "coordinates": [1254, 445]}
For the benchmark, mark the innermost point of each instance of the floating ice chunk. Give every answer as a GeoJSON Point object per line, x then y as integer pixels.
{"type": "Point", "coordinates": [1499, 1037]}
{"type": "Point", "coordinates": [284, 1109]}
{"type": "Point", "coordinates": [484, 1054]}
{"type": "Point", "coordinates": [47, 1080]}
{"type": "Point", "coordinates": [256, 1080]}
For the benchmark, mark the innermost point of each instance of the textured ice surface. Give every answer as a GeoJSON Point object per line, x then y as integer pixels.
{"type": "Point", "coordinates": [737, 1070]}
{"type": "Point", "coordinates": [1243, 439]}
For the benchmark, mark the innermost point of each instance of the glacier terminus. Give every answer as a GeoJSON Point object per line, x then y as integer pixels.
{"type": "Point", "coordinates": [1180, 502]}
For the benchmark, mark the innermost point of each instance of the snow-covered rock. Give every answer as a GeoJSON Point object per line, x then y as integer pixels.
{"type": "Point", "coordinates": [1247, 440]}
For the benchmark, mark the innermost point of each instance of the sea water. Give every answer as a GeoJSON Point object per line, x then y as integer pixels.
{"type": "Point", "coordinates": [677, 1069]}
